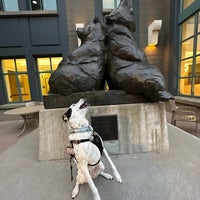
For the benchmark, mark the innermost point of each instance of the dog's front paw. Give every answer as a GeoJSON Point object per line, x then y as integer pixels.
{"type": "Point", "coordinates": [73, 195]}
{"type": "Point", "coordinates": [118, 178]}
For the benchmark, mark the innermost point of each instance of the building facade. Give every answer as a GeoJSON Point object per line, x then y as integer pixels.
{"type": "Point", "coordinates": [37, 34]}
{"type": "Point", "coordinates": [33, 40]}
{"type": "Point", "coordinates": [186, 62]}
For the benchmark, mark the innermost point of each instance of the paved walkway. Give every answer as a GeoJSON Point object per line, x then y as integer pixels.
{"type": "Point", "coordinates": [9, 130]}
{"type": "Point", "coordinates": [172, 175]}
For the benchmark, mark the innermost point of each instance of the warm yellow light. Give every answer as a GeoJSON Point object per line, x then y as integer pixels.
{"type": "Point", "coordinates": [150, 48]}
{"type": "Point", "coordinates": [186, 68]}
{"type": "Point", "coordinates": [152, 45]}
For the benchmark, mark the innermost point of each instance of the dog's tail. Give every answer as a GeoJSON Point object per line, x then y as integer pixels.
{"type": "Point", "coordinates": [115, 171]}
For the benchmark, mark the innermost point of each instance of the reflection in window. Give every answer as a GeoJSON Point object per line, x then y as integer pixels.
{"type": "Point", "coordinates": [43, 5]}
{"type": "Point", "coordinates": [16, 79]}
{"type": "Point", "coordinates": [110, 4]}
{"type": "Point", "coordinates": [187, 48]}
{"type": "Point", "coordinates": [186, 68]}
{"type": "Point", "coordinates": [188, 28]}
{"type": "Point", "coordinates": [9, 5]}
{"type": "Point", "coordinates": [185, 86]}
{"type": "Point", "coordinates": [49, 5]}
{"type": "Point", "coordinates": [36, 5]}
{"type": "Point", "coordinates": [186, 3]}
{"type": "Point", "coordinates": [45, 67]}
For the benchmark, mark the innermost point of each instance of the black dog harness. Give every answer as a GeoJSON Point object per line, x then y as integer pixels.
{"type": "Point", "coordinates": [94, 138]}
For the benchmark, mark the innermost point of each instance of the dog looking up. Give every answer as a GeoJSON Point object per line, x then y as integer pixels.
{"type": "Point", "coordinates": [87, 146]}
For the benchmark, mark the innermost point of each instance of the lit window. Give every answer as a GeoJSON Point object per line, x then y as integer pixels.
{"type": "Point", "coordinates": [45, 67]}
{"type": "Point", "coordinates": [16, 79]}
{"type": "Point", "coordinates": [197, 76]}
{"type": "Point", "coordinates": [9, 5]}
{"type": "Point", "coordinates": [187, 48]}
{"type": "Point", "coordinates": [186, 3]}
{"type": "Point", "coordinates": [188, 28]}
{"type": "Point", "coordinates": [199, 23]}
{"type": "Point", "coordinates": [189, 67]}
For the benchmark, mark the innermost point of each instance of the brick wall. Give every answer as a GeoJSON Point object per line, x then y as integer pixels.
{"type": "Point", "coordinates": [151, 10]}
{"type": "Point", "coordinates": [78, 11]}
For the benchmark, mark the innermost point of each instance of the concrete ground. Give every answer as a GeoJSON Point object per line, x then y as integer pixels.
{"type": "Point", "coordinates": [171, 175]}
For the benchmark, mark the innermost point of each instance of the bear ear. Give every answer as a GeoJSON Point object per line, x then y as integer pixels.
{"type": "Point", "coordinates": [67, 114]}
{"type": "Point", "coordinates": [96, 20]}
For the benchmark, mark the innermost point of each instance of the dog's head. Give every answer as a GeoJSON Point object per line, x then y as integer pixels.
{"type": "Point", "coordinates": [75, 114]}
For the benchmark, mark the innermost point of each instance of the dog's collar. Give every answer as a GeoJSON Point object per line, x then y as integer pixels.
{"type": "Point", "coordinates": [82, 130]}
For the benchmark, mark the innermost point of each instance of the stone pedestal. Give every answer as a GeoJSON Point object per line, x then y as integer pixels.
{"type": "Point", "coordinates": [141, 128]}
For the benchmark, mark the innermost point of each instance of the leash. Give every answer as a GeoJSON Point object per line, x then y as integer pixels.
{"type": "Point", "coordinates": [71, 167]}
{"type": "Point", "coordinates": [70, 151]}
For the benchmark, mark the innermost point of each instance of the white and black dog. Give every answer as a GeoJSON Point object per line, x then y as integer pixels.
{"type": "Point", "coordinates": [88, 147]}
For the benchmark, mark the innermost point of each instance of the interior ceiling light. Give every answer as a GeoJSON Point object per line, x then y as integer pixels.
{"type": "Point", "coordinates": [34, 2]}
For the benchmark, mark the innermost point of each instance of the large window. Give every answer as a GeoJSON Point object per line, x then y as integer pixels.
{"type": "Point", "coordinates": [43, 5]}
{"type": "Point", "coordinates": [110, 4]}
{"type": "Point", "coordinates": [45, 67]}
{"type": "Point", "coordinates": [9, 5]}
{"type": "Point", "coordinates": [16, 79]}
{"type": "Point", "coordinates": [189, 48]}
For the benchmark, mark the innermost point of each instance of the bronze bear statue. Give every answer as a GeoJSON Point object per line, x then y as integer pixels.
{"type": "Point", "coordinates": [83, 70]}
{"type": "Point", "coordinates": [109, 53]}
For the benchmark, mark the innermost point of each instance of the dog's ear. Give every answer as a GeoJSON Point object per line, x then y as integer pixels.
{"type": "Point", "coordinates": [67, 114]}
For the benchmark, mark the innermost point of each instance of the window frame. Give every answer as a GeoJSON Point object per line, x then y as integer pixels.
{"type": "Point", "coordinates": [192, 10]}
{"type": "Point", "coordinates": [42, 6]}
{"type": "Point", "coordinates": [16, 73]}
{"type": "Point", "coordinates": [50, 71]}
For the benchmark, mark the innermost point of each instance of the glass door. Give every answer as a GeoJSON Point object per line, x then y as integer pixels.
{"type": "Point", "coordinates": [46, 66]}
{"type": "Point", "coordinates": [16, 79]}
{"type": "Point", "coordinates": [189, 61]}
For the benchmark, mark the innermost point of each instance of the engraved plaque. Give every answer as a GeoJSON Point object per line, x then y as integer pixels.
{"type": "Point", "coordinates": [106, 126]}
